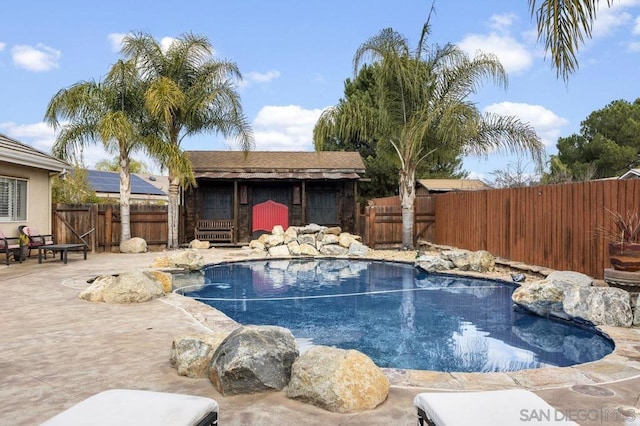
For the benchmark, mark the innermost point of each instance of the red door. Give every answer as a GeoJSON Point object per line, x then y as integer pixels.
{"type": "Point", "coordinates": [269, 214]}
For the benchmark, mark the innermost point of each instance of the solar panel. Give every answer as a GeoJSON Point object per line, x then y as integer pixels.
{"type": "Point", "coordinates": [110, 182]}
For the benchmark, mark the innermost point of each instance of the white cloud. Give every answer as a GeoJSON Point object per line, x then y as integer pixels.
{"type": "Point", "coordinates": [546, 123]}
{"type": "Point", "coordinates": [513, 55]}
{"type": "Point", "coordinates": [634, 46]}
{"type": "Point", "coordinates": [38, 58]}
{"type": "Point", "coordinates": [503, 22]}
{"type": "Point", "coordinates": [256, 77]}
{"type": "Point", "coordinates": [165, 43]}
{"type": "Point", "coordinates": [115, 39]}
{"type": "Point", "coordinates": [2, 46]}
{"type": "Point", "coordinates": [636, 26]}
{"type": "Point", "coordinates": [42, 137]}
{"type": "Point", "coordinates": [285, 128]}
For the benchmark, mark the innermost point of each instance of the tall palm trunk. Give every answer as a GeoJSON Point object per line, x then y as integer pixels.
{"type": "Point", "coordinates": [172, 222]}
{"type": "Point", "coordinates": [407, 198]}
{"type": "Point", "coordinates": [125, 199]}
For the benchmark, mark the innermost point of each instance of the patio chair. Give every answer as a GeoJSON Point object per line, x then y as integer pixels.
{"type": "Point", "coordinates": [495, 408]}
{"type": "Point", "coordinates": [35, 238]}
{"type": "Point", "coordinates": [10, 246]}
{"type": "Point", "coordinates": [125, 407]}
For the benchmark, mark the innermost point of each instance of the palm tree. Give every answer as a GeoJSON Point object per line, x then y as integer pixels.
{"type": "Point", "coordinates": [113, 165]}
{"type": "Point", "coordinates": [423, 106]}
{"type": "Point", "coordinates": [563, 25]}
{"type": "Point", "coordinates": [188, 92]}
{"type": "Point", "coordinates": [108, 112]}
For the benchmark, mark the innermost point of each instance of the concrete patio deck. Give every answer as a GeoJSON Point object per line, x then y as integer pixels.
{"type": "Point", "coordinates": [56, 350]}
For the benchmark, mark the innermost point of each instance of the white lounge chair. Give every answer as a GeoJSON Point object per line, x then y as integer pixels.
{"type": "Point", "coordinates": [496, 408]}
{"type": "Point", "coordinates": [134, 407]}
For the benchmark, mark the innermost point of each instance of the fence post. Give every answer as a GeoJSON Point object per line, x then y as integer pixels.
{"type": "Point", "coordinates": [93, 220]}
{"type": "Point", "coordinates": [108, 226]}
{"type": "Point", "coordinates": [372, 226]}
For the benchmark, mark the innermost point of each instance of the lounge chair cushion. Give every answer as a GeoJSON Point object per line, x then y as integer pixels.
{"type": "Point", "coordinates": [36, 238]}
{"type": "Point", "coordinates": [134, 407]}
{"type": "Point", "coordinates": [502, 407]}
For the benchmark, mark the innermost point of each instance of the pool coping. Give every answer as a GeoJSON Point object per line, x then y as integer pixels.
{"type": "Point", "coordinates": [623, 363]}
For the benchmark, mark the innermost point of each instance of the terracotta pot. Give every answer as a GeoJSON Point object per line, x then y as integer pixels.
{"type": "Point", "coordinates": [625, 256]}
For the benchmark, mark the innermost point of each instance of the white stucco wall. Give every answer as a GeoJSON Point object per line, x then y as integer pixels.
{"type": "Point", "coordinates": [38, 198]}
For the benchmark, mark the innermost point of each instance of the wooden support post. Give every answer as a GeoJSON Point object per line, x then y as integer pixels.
{"type": "Point", "coordinates": [108, 227]}
{"type": "Point", "coordinates": [371, 227]}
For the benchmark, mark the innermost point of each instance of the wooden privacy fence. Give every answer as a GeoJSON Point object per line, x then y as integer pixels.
{"type": "Point", "coordinates": [381, 223]}
{"type": "Point", "coordinates": [99, 225]}
{"type": "Point", "coordinates": [554, 225]}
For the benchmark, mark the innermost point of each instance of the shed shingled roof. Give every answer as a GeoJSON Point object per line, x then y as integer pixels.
{"type": "Point", "coordinates": [275, 161]}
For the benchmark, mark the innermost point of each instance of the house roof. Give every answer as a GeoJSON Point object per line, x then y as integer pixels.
{"type": "Point", "coordinates": [631, 174]}
{"type": "Point", "coordinates": [446, 185]}
{"type": "Point", "coordinates": [14, 152]}
{"type": "Point", "coordinates": [276, 164]}
{"type": "Point", "coordinates": [109, 182]}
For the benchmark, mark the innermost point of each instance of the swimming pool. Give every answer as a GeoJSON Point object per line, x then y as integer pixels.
{"type": "Point", "coordinates": [398, 315]}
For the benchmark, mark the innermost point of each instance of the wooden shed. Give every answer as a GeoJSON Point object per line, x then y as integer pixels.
{"type": "Point", "coordinates": [240, 195]}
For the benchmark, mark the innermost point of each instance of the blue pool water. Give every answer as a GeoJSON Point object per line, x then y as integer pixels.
{"type": "Point", "coordinates": [398, 315]}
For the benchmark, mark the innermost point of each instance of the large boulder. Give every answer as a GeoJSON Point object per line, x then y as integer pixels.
{"type": "Point", "coordinates": [128, 287]}
{"type": "Point", "coordinates": [253, 359]}
{"type": "Point", "coordinates": [294, 248]}
{"type": "Point", "coordinates": [541, 298]}
{"type": "Point", "coordinates": [459, 258]}
{"type": "Point", "coordinates": [133, 245]}
{"type": "Point", "coordinates": [308, 250]}
{"type": "Point", "coordinates": [599, 305]}
{"type": "Point", "coordinates": [165, 279]}
{"type": "Point", "coordinates": [291, 234]}
{"type": "Point", "coordinates": [346, 239]}
{"type": "Point", "coordinates": [358, 249]}
{"type": "Point", "coordinates": [311, 228]}
{"type": "Point", "coordinates": [279, 251]}
{"type": "Point", "coordinates": [481, 261]}
{"type": "Point", "coordinates": [334, 250]}
{"type": "Point", "coordinates": [191, 354]}
{"type": "Point", "coordinates": [197, 244]}
{"type": "Point", "coordinates": [569, 278]}
{"type": "Point", "coordinates": [278, 230]}
{"type": "Point", "coordinates": [338, 380]}
{"type": "Point", "coordinates": [431, 263]}
{"type": "Point", "coordinates": [187, 259]}
{"type": "Point", "coordinates": [257, 245]}
{"type": "Point", "coordinates": [329, 239]}
{"type": "Point", "coordinates": [272, 240]}
{"type": "Point", "coordinates": [307, 239]}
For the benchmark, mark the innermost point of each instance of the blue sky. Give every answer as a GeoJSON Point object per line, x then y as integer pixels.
{"type": "Point", "coordinates": [295, 56]}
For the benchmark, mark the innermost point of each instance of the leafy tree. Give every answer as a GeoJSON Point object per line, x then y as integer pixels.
{"type": "Point", "coordinates": [421, 108]}
{"type": "Point", "coordinates": [513, 175]}
{"type": "Point", "coordinates": [73, 188]}
{"type": "Point", "coordinates": [113, 165]}
{"type": "Point", "coordinates": [607, 146]}
{"type": "Point", "coordinates": [187, 92]}
{"type": "Point", "coordinates": [382, 165]}
{"type": "Point", "coordinates": [563, 25]}
{"type": "Point", "coordinates": [108, 113]}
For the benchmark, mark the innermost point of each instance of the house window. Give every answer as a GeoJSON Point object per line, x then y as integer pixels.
{"type": "Point", "coordinates": [13, 200]}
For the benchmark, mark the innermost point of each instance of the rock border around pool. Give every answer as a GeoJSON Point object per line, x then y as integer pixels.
{"type": "Point", "coordinates": [253, 359]}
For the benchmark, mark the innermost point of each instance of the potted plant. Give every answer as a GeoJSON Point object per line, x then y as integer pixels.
{"type": "Point", "coordinates": [24, 246]}
{"type": "Point", "coordinates": [624, 241]}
